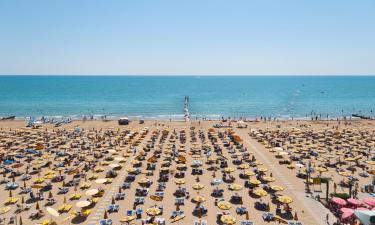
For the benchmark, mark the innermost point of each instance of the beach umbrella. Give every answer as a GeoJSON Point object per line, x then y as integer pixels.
{"type": "Point", "coordinates": [216, 181]}
{"type": "Point", "coordinates": [154, 211]}
{"type": "Point", "coordinates": [180, 181]}
{"type": "Point", "coordinates": [105, 214]}
{"type": "Point", "coordinates": [268, 179]}
{"type": "Point", "coordinates": [37, 207]}
{"type": "Point", "coordinates": [255, 181]}
{"type": "Point", "coordinates": [22, 199]}
{"type": "Point", "coordinates": [228, 219]}
{"type": "Point", "coordinates": [262, 169]}
{"type": "Point", "coordinates": [260, 192]}
{"type": "Point", "coordinates": [285, 199]}
{"type": "Point", "coordinates": [127, 219]}
{"type": "Point", "coordinates": [345, 174]}
{"type": "Point", "coordinates": [321, 169]}
{"type": "Point", "coordinates": [224, 205]}
{"type": "Point", "coordinates": [198, 186]}
{"type": "Point", "coordinates": [143, 181]}
{"type": "Point", "coordinates": [101, 181]}
{"type": "Point", "coordinates": [50, 194]}
{"type": "Point", "coordinates": [229, 169]}
{"type": "Point", "coordinates": [10, 194]}
{"type": "Point", "coordinates": [21, 222]}
{"type": "Point", "coordinates": [235, 187]}
{"type": "Point", "coordinates": [370, 201]}
{"type": "Point", "coordinates": [277, 188]}
{"type": "Point", "coordinates": [249, 173]}
{"type": "Point", "coordinates": [244, 166]}
{"type": "Point", "coordinates": [199, 199]}
{"type": "Point", "coordinates": [82, 204]}
{"type": "Point", "coordinates": [52, 211]}
{"type": "Point", "coordinates": [354, 202]}
{"type": "Point", "coordinates": [64, 201]}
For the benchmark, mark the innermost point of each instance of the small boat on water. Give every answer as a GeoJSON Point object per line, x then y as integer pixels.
{"type": "Point", "coordinates": [8, 118]}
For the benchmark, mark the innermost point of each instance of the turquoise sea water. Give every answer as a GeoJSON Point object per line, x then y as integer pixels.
{"type": "Point", "coordinates": [163, 96]}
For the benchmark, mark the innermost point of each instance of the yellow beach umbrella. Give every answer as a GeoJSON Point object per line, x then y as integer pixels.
{"type": "Point", "coordinates": [235, 187]}
{"type": "Point", "coordinates": [224, 205]}
{"type": "Point", "coordinates": [260, 192]}
{"type": "Point", "coordinates": [285, 199]}
{"type": "Point", "coordinates": [255, 181]}
{"type": "Point", "coordinates": [199, 199]}
{"type": "Point", "coordinates": [198, 186]}
{"type": "Point", "coordinates": [154, 211]}
{"type": "Point", "coordinates": [277, 188]}
{"type": "Point", "coordinates": [228, 219]}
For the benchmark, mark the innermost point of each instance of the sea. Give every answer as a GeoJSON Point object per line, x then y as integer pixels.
{"type": "Point", "coordinates": [210, 97]}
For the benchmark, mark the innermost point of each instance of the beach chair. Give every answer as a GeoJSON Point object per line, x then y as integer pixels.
{"type": "Point", "coordinates": [105, 222]}
{"type": "Point", "coordinates": [129, 212]}
{"type": "Point", "coordinates": [120, 196]}
{"type": "Point", "coordinates": [113, 208]}
{"type": "Point", "coordinates": [125, 185]}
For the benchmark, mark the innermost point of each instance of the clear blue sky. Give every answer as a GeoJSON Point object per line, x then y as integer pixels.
{"type": "Point", "coordinates": [133, 37]}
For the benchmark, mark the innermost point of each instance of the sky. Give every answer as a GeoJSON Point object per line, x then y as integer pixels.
{"type": "Point", "coordinates": [187, 37]}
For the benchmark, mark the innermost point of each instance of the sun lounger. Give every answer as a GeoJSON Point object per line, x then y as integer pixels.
{"type": "Point", "coordinates": [246, 222]}
{"type": "Point", "coordinates": [105, 222]}
{"type": "Point", "coordinates": [120, 196]}
{"type": "Point", "coordinates": [129, 212]}
{"type": "Point", "coordinates": [113, 208]}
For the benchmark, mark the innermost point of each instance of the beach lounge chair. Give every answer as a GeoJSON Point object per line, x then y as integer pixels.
{"type": "Point", "coordinates": [105, 222]}
{"type": "Point", "coordinates": [179, 201]}
{"type": "Point", "coordinates": [267, 216]}
{"type": "Point", "coordinates": [129, 212]}
{"type": "Point", "coordinates": [160, 221]}
{"type": "Point", "coordinates": [126, 185]}
{"type": "Point", "coordinates": [113, 208]}
{"type": "Point", "coordinates": [138, 213]}
{"type": "Point", "coordinates": [120, 196]}
{"type": "Point", "coordinates": [246, 222]}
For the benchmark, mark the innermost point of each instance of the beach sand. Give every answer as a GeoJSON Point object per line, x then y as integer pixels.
{"type": "Point", "coordinates": [15, 136]}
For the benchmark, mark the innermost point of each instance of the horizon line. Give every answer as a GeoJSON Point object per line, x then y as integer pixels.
{"type": "Point", "coordinates": [197, 75]}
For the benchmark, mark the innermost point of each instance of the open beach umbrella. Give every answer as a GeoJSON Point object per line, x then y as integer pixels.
{"type": "Point", "coordinates": [143, 181]}
{"type": "Point", "coordinates": [127, 219]}
{"type": "Point", "coordinates": [354, 202]}
{"type": "Point", "coordinates": [224, 205]}
{"type": "Point", "coordinates": [370, 201]}
{"type": "Point", "coordinates": [255, 181]}
{"type": "Point", "coordinates": [229, 169]}
{"type": "Point", "coordinates": [285, 199]}
{"type": "Point", "coordinates": [92, 192]}
{"type": "Point", "coordinates": [277, 188]}
{"type": "Point", "coordinates": [198, 186]}
{"type": "Point", "coordinates": [338, 201]}
{"type": "Point", "coordinates": [101, 180]}
{"type": "Point", "coordinates": [82, 204]}
{"type": "Point", "coordinates": [180, 181]}
{"type": "Point", "coordinates": [244, 166]}
{"type": "Point", "coordinates": [228, 219]}
{"type": "Point", "coordinates": [249, 173]}
{"type": "Point", "coordinates": [52, 211]}
{"type": "Point", "coordinates": [260, 192]}
{"type": "Point", "coordinates": [199, 199]}
{"type": "Point", "coordinates": [235, 187]}
{"type": "Point", "coordinates": [154, 211]}
{"type": "Point", "coordinates": [268, 179]}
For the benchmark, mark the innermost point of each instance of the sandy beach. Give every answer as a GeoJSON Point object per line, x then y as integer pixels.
{"type": "Point", "coordinates": [184, 172]}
